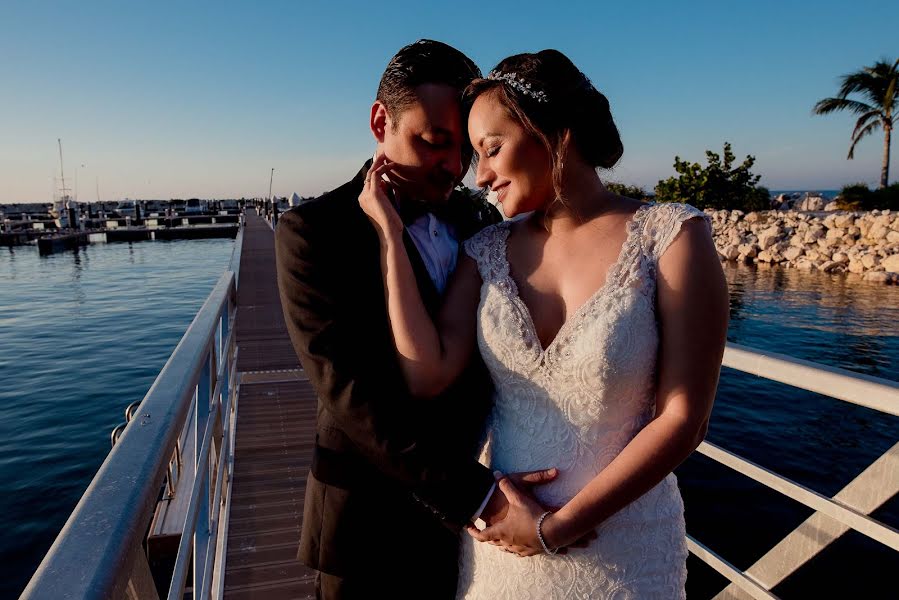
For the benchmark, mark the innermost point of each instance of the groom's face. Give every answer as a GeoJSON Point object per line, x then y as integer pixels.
{"type": "Point", "coordinates": [424, 141]}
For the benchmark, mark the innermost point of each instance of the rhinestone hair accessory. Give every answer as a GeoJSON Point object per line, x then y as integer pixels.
{"type": "Point", "coordinates": [519, 84]}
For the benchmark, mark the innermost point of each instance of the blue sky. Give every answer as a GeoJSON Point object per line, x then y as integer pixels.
{"type": "Point", "coordinates": [167, 99]}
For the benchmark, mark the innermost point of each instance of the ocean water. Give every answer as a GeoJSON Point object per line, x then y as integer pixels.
{"type": "Point", "coordinates": [818, 442]}
{"type": "Point", "coordinates": [84, 334]}
{"type": "Point", "coordinates": [830, 194]}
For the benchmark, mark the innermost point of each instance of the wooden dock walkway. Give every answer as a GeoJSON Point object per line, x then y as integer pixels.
{"type": "Point", "coordinates": [275, 432]}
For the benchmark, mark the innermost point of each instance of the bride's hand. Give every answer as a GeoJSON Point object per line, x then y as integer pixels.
{"type": "Point", "coordinates": [375, 202]}
{"type": "Point", "coordinates": [517, 532]}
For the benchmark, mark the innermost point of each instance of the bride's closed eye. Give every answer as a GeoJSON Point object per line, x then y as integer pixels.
{"type": "Point", "coordinates": [492, 151]}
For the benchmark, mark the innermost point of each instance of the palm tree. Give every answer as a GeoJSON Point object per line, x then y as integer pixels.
{"type": "Point", "coordinates": [877, 86]}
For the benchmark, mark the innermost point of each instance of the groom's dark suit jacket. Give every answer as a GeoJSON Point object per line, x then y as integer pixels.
{"type": "Point", "coordinates": [387, 468]}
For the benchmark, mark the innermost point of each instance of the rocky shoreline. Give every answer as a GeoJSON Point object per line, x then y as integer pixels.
{"type": "Point", "coordinates": [865, 243]}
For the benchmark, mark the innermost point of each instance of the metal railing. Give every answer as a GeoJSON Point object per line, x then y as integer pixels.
{"type": "Point", "coordinates": [849, 509]}
{"type": "Point", "coordinates": [100, 551]}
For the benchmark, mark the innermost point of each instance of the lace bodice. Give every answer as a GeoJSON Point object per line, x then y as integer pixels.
{"type": "Point", "coordinates": [578, 402]}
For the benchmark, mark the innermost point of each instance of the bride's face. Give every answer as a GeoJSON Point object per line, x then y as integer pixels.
{"type": "Point", "coordinates": [512, 162]}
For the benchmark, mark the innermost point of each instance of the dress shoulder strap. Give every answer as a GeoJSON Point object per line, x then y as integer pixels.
{"type": "Point", "coordinates": [662, 224]}
{"type": "Point", "coordinates": [488, 249]}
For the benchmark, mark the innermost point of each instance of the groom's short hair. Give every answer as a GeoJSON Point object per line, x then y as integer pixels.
{"type": "Point", "coordinates": [424, 61]}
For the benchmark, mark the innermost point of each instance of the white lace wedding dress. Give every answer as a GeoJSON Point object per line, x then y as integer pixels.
{"type": "Point", "coordinates": [575, 405]}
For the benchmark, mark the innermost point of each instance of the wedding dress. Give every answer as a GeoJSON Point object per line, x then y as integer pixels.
{"type": "Point", "coordinates": [575, 405]}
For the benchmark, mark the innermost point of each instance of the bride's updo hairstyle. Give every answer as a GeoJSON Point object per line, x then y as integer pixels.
{"type": "Point", "coordinates": [557, 105]}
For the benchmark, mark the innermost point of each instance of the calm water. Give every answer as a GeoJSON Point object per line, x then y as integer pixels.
{"type": "Point", "coordinates": [85, 334]}
{"type": "Point", "coordinates": [817, 441]}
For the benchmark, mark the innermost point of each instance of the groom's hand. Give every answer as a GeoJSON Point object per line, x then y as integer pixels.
{"type": "Point", "coordinates": [498, 505]}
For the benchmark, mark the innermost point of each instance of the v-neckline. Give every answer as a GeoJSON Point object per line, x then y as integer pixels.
{"type": "Point", "coordinates": [630, 229]}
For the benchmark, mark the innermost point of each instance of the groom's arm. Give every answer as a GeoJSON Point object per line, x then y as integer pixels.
{"type": "Point", "coordinates": [360, 384]}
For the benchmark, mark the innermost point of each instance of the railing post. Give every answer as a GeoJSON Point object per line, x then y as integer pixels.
{"type": "Point", "coordinates": [201, 533]}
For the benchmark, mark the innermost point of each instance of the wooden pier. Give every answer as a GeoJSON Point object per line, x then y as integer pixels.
{"type": "Point", "coordinates": [275, 432]}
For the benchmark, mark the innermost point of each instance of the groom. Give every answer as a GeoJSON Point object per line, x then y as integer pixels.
{"type": "Point", "coordinates": [385, 464]}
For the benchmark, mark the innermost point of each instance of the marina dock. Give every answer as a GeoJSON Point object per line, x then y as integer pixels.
{"type": "Point", "coordinates": [274, 436]}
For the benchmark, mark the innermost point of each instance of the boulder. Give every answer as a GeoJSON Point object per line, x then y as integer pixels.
{"type": "Point", "coordinates": [877, 277]}
{"type": "Point", "coordinates": [729, 252]}
{"type": "Point", "coordinates": [844, 220]}
{"type": "Point", "coordinates": [812, 203]}
{"type": "Point", "coordinates": [891, 263]}
{"type": "Point", "coordinates": [792, 253]}
{"type": "Point", "coordinates": [878, 231]}
{"type": "Point", "coordinates": [870, 261]}
{"type": "Point", "coordinates": [840, 258]}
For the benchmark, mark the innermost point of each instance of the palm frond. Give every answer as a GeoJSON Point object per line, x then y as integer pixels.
{"type": "Point", "coordinates": [829, 105]}
{"type": "Point", "coordinates": [872, 82]}
{"type": "Point", "coordinates": [857, 137]}
{"type": "Point", "coordinates": [864, 119]}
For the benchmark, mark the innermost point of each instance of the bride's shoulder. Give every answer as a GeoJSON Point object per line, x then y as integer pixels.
{"type": "Point", "coordinates": [673, 212]}
{"type": "Point", "coordinates": [489, 233]}
{"type": "Point", "coordinates": [666, 220]}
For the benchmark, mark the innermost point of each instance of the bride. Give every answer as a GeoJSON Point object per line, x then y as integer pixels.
{"type": "Point", "coordinates": [602, 321]}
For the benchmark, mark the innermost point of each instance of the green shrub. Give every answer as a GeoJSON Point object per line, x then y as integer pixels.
{"type": "Point", "coordinates": [859, 196]}
{"type": "Point", "coordinates": [719, 185]}
{"type": "Point", "coordinates": [631, 191]}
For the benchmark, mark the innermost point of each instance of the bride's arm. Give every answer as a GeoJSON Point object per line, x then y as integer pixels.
{"type": "Point", "coordinates": [431, 355]}
{"type": "Point", "coordinates": [693, 314]}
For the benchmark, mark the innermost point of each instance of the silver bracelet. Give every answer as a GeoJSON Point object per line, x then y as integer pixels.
{"type": "Point", "coordinates": [540, 534]}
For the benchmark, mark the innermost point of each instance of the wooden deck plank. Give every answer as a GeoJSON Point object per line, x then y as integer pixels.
{"type": "Point", "coordinates": [274, 436]}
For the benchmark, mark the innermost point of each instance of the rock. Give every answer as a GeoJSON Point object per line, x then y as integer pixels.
{"type": "Point", "coordinates": [766, 240]}
{"type": "Point", "coordinates": [856, 266]}
{"type": "Point", "coordinates": [840, 258]}
{"type": "Point", "coordinates": [891, 263]}
{"type": "Point", "coordinates": [878, 277]}
{"type": "Point", "coordinates": [870, 261]}
{"type": "Point", "coordinates": [836, 233]}
{"type": "Point", "coordinates": [844, 220]}
{"type": "Point", "coordinates": [747, 250]}
{"type": "Point", "coordinates": [751, 217]}
{"type": "Point", "coordinates": [831, 206]}
{"type": "Point", "coordinates": [765, 256]}
{"type": "Point", "coordinates": [812, 203]}
{"type": "Point", "coordinates": [805, 265]}
{"type": "Point", "coordinates": [814, 233]}
{"type": "Point", "coordinates": [828, 266]}
{"type": "Point", "coordinates": [878, 231]}
{"type": "Point", "coordinates": [893, 237]}
{"type": "Point", "coordinates": [729, 252]}
{"type": "Point", "coordinates": [792, 253]}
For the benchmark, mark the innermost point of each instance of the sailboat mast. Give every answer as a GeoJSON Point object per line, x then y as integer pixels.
{"type": "Point", "coordinates": [63, 190]}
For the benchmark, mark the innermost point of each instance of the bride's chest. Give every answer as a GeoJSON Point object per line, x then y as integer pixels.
{"type": "Point", "coordinates": [611, 335]}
